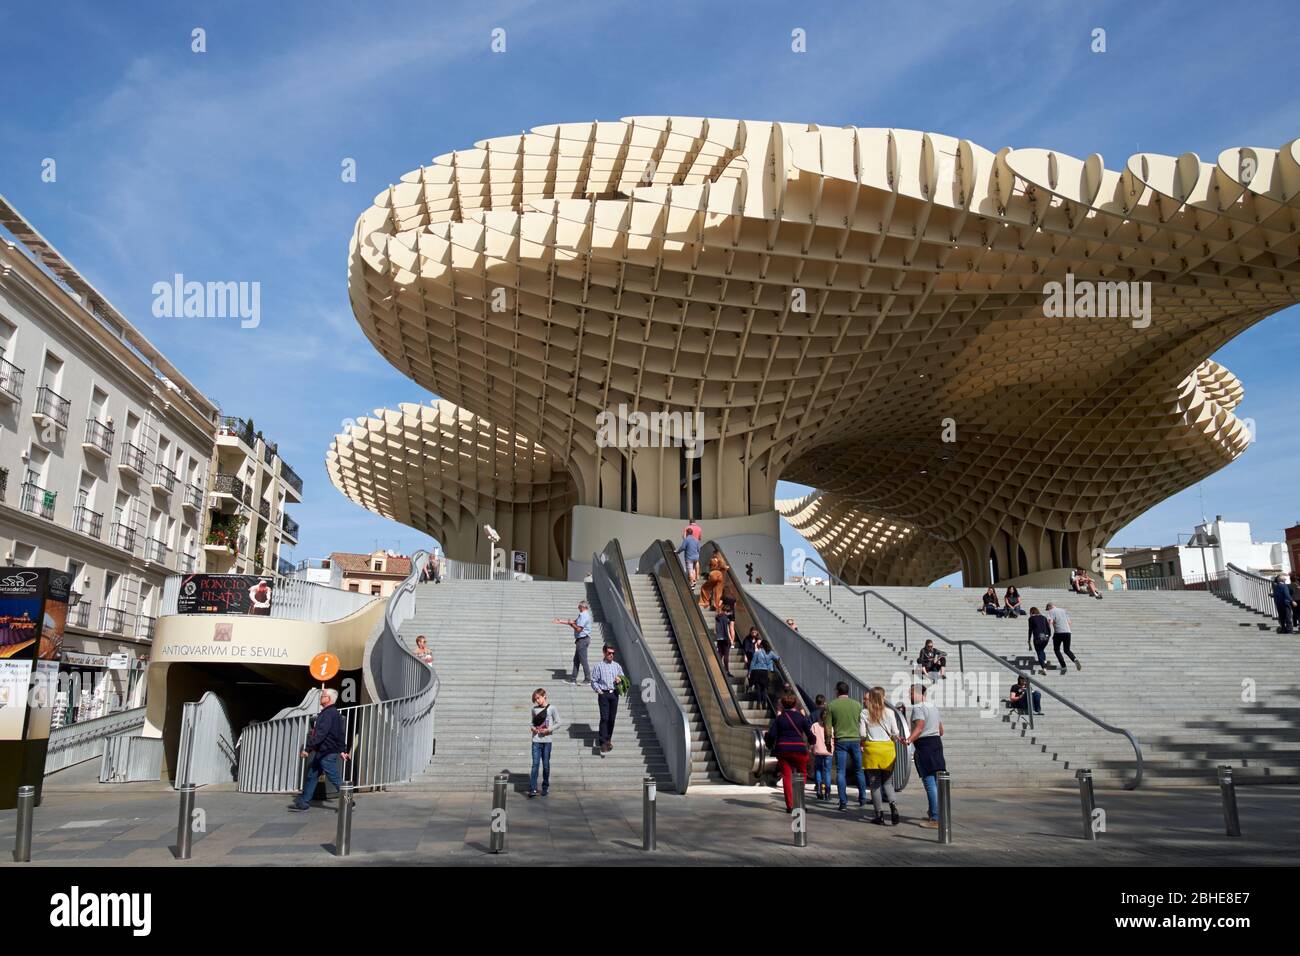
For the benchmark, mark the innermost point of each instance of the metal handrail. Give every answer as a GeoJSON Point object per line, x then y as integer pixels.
{"type": "Point", "coordinates": [961, 644]}
{"type": "Point", "coordinates": [737, 744]}
{"type": "Point", "coordinates": [667, 715]}
{"type": "Point", "coordinates": [1252, 590]}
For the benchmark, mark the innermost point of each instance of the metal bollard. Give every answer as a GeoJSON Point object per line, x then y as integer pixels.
{"type": "Point", "coordinates": [799, 817]}
{"type": "Point", "coordinates": [184, 832]}
{"type": "Point", "coordinates": [343, 834]}
{"type": "Point", "coordinates": [23, 835]}
{"type": "Point", "coordinates": [497, 837]}
{"type": "Point", "coordinates": [649, 834]}
{"type": "Point", "coordinates": [1087, 802]}
{"type": "Point", "coordinates": [1228, 788]}
{"type": "Point", "coordinates": [945, 806]}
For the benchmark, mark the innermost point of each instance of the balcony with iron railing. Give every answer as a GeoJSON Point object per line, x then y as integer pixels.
{"type": "Point", "coordinates": [284, 567]}
{"type": "Point", "coordinates": [79, 614]}
{"type": "Point", "coordinates": [189, 563]}
{"type": "Point", "coordinates": [112, 619]}
{"type": "Point", "coordinates": [37, 500]}
{"type": "Point", "coordinates": [87, 521]}
{"type": "Point", "coordinates": [145, 627]}
{"type": "Point", "coordinates": [289, 526]}
{"type": "Point", "coordinates": [4, 483]}
{"type": "Point", "coordinates": [51, 407]}
{"type": "Point", "coordinates": [291, 478]}
{"type": "Point", "coordinates": [156, 551]}
{"type": "Point", "coordinates": [124, 537]}
{"type": "Point", "coordinates": [264, 509]}
{"type": "Point", "coordinates": [134, 459]}
{"type": "Point", "coordinates": [229, 485]}
{"type": "Point", "coordinates": [164, 479]}
{"type": "Point", "coordinates": [232, 427]}
{"type": "Point", "coordinates": [193, 498]}
{"type": "Point", "coordinates": [11, 382]}
{"type": "Point", "coordinates": [99, 439]}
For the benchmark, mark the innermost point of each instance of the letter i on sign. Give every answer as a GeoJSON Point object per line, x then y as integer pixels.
{"type": "Point", "coordinates": [324, 666]}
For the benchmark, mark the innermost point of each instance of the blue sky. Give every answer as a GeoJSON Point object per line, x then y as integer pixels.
{"type": "Point", "coordinates": [225, 165]}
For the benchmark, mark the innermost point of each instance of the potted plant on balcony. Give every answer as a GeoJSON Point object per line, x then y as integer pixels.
{"type": "Point", "coordinates": [225, 531]}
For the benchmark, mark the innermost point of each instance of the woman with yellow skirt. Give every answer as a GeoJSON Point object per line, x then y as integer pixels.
{"type": "Point", "coordinates": [876, 726]}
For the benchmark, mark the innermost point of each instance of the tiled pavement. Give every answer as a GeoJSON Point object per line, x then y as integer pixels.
{"type": "Point", "coordinates": [89, 824]}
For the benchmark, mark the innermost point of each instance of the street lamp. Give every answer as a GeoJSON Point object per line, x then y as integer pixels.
{"type": "Point", "coordinates": [1201, 540]}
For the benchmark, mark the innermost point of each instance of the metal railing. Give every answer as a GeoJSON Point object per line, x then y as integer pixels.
{"type": "Point", "coordinates": [264, 509]}
{"type": "Point", "coordinates": [146, 626]}
{"type": "Point", "coordinates": [193, 497]}
{"type": "Point", "coordinates": [238, 428]}
{"type": "Point", "coordinates": [291, 600]}
{"type": "Point", "coordinates": [112, 619]}
{"type": "Point", "coordinates": [11, 380]}
{"type": "Point", "coordinates": [99, 436]}
{"type": "Point", "coordinates": [131, 759]}
{"type": "Point", "coordinates": [124, 537]}
{"type": "Point", "coordinates": [188, 563]}
{"type": "Point", "coordinates": [79, 614]}
{"type": "Point", "coordinates": [52, 405]}
{"type": "Point", "coordinates": [38, 500]}
{"type": "Point", "coordinates": [87, 521]}
{"type": "Point", "coordinates": [227, 484]}
{"type": "Point", "coordinates": [667, 715]}
{"type": "Point", "coordinates": [76, 743]}
{"type": "Point", "coordinates": [164, 478]}
{"type": "Point", "coordinates": [155, 550]}
{"type": "Point", "coordinates": [1252, 591]}
{"type": "Point", "coordinates": [134, 457]}
{"type": "Point", "coordinates": [289, 525]}
{"type": "Point", "coordinates": [737, 744]}
{"type": "Point", "coordinates": [389, 741]}
{"type": "Point", "coordinates": [961, 645]}
{"type": "Point", "coordinates": [206, 752]}
{"type": "Point", "coordinates": [290, 476]}
{"type": "Point", "coordinates": [4, 483]}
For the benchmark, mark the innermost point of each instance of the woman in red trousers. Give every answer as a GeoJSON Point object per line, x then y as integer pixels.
{"type": "Point", "coordinates": [790, 734]}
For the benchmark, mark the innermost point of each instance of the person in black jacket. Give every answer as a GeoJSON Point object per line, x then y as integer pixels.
{"type": "Point", "coordinates": [1282, 597]}
{"type": "Point", "coordinates": [325, 746]}
{"type": "Point", "coordinates": [1040, 632]}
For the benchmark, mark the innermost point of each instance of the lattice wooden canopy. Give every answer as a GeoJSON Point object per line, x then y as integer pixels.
{"type": "Point", "coordinates": [837, 302]}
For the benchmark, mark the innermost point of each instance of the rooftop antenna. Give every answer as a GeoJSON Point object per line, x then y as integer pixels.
{"type": "Point", "coordinates": [1200, 492]}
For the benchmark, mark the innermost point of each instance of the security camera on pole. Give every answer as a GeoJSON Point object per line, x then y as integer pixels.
{"type": "Point", "coordinates": [494, 539]}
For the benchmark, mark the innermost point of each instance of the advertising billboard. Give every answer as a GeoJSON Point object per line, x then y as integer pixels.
{"type": "Point", "coordinates": [225, 594]}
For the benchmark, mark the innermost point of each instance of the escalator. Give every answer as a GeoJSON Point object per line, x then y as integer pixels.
{"type": "Point", "coordinates": [733, 719]}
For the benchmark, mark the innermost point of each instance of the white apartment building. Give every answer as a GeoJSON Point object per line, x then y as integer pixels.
{"type": "Point", "coordinates": [1227, 542]}
{"type": "Point", "coordinates": [246, 528]}
{"type": "Point", "coordinates": [105, 453]}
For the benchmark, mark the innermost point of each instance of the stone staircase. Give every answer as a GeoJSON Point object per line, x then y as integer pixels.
{"type": "Point", "coordinates": [1198, 682]}
{"type": "Point", "coordinates": [494, 644]}
{"type": "Point", "coordinates": [662, 643]}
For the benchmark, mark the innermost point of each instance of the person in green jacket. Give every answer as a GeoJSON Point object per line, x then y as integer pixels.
{"type": "Point", "coordinates": [844, 713]}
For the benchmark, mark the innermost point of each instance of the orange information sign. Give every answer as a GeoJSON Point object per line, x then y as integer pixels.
{"type": "Point", "coordinates": [324, 666]}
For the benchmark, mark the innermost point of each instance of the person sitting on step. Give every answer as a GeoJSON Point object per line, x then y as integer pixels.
{"type": "Point", "coordinates": [932, 661]}
{"type": "Point", "coordinates": [990, 603]}
{"type": "Point", "coordinates": [1020, 696]}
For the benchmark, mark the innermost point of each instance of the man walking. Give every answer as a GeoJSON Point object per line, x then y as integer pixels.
{"type": "Point", "coordinates": [690, 551]}
{"type": "Point", "coordinates": [1285, 606]}
{"type": "Point", "coordinates": [581, 641]}
{"type": "Point", "coordinates": [1040, 632]}
{"type": "Point", "coordinates": [1061, 635]}
{"type": "Point", "coordinates": [844, 715]}
{"type": "Point", "coordinates": [927, 735]}
{"type": "Point", "coordinates": [325, 745]}
{"type": "Point", "coordinates": [604, 681]}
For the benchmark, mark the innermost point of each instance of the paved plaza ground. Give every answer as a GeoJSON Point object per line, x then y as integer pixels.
{"type": "Point", "coordinates": [84, 823]}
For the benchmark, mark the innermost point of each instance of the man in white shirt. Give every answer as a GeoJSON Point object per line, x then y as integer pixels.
{"type": "Point", "coordinates": [1061, 635]}
{"type": "Point", "coordinates": [581, 640]}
